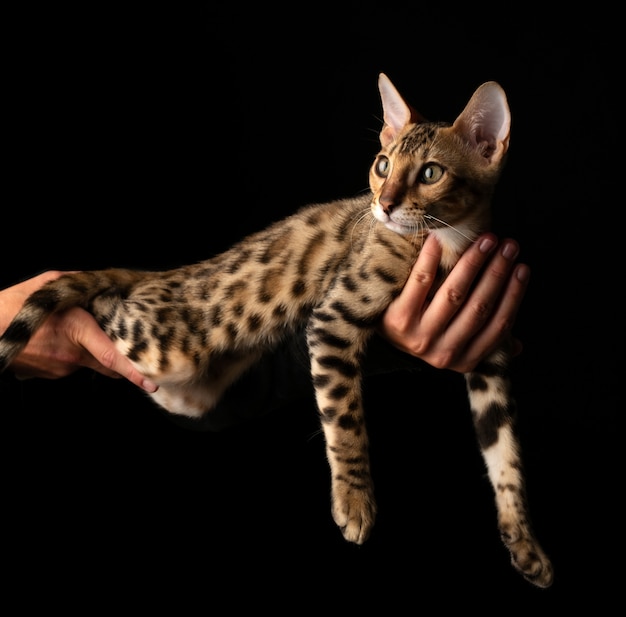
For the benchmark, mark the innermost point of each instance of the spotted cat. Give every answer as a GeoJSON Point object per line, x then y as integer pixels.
{"type": "Point", "coordinates": [331, 269]}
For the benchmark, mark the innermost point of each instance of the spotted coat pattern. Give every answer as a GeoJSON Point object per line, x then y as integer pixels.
{"type": "Point", "coordinates": [331, 269]}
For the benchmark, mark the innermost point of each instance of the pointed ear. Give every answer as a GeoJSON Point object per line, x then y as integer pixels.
{"type": "Point", "coordinates": [485, 123]}
{"type": "Point", "coordinates": [396, 112]}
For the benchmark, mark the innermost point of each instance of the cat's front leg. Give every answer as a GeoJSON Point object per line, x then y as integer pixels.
{"type": "Point", "coordinates": [352, 491]}
{"type": "Point", "coordinates": [336, 371]}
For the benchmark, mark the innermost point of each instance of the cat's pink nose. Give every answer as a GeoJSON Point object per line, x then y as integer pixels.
{"type": "Point", "coordinates": [387, 205]}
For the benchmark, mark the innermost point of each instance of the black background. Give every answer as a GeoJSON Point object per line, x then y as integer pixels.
{"type": "Point", "coordinates": [153, 137]}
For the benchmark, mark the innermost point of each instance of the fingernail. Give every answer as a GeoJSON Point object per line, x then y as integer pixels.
{"type": "Point", "coordinates": [149, 386]}
{"type": "Point", "coordinates": [486, 245]}
{"type": "Point", "coordinates": [509, 250]}
{"type": "Point", "coordinates": [522, 273]}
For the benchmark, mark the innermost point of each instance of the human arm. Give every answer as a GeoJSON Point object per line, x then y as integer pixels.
{"type": "Point", "coordinates": [65, 342]}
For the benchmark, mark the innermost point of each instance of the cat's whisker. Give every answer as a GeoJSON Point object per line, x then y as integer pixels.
{"type": "Point", "coordinates": [359, 220]}
{"type": "Point", "coordinates": [452, 227]}
{"type": "Point", "coordinates": [373, 222]}
{"type": "Point", "coordinates": [419, 230]}
{"type": "Point", "coordinates": [315, 434]}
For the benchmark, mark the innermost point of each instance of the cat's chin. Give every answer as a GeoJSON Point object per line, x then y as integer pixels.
{"type": "Point", "coordinates": [398, 228]}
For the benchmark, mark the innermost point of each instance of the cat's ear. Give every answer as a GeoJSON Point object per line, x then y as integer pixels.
{"type": "Point", "coordinates": [486, 122]}
{"type": "Point", "coordinates": [397, 113]}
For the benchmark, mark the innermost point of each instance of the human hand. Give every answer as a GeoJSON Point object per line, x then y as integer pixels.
{"type": "Point", "coordinates": [465, 320]}
{"type": "Point", "coordinates": [65, 342]}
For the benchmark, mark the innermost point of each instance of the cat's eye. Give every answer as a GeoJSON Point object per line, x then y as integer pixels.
{"type": "Point", "coordinates": [431, 173]}
{"type": "Point", "coordinates": [382, 166]}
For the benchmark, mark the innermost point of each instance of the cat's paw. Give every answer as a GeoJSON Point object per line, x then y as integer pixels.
{"type": "Point", "coordinates": [532, 563]}
{"type": "Point", "coordinates": [528, 558]}
{"type": "Point", "coordinates": [354, 512]}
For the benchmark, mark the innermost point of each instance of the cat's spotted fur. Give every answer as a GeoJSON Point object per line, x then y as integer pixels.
{"type": "Point", "coordinates": [331, 268]}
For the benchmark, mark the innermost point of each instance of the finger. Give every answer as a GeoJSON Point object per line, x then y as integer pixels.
{"type": "Point", "coordinates": [481, 302]}
{"type": "Point", "coordinates": [498, 271]}
{"type": "Point", "coordinates": [407, 307]}
{"type": "Point", "coordinates": [503, 319]}
{"type": "Point", "coordinates": [103, 356]}
{"type": "Point", "coordinates": [454, 290]}
{"type": "Point", "coordinates": [423, 274]}
{"type": "Point", "coordinates": [110, 363]}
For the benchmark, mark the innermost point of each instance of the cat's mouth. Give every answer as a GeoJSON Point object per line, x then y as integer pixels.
{"type": "Point", "coordinates": [395, 223]}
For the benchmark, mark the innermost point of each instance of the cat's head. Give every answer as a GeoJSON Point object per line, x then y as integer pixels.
{"type": "Point", "coordinates": [434, 177]}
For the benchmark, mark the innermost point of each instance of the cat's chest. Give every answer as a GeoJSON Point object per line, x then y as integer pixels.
{"type": "Point", "coordinates": [375, 272]}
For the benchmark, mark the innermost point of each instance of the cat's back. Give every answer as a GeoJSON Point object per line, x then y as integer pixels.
{"type": "Point", "coordinates": [270, 281]}
{"type": "Point", "coordinates": [260, 288]}
{"type": "Point", "coordinates": [295, 251]}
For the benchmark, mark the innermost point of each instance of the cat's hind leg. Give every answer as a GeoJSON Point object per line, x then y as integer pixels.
{"type": "Point", "coordinates": [192, 393]}
{"type": "Point", "coordinates": [493, 415]}
{"type": "Point", "coordinates": [506, 476]}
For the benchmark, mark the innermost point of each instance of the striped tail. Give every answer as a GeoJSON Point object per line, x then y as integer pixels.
{"type": "Point", "coordinates": [68, 291]}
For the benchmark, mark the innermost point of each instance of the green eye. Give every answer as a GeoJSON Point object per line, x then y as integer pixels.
{"type": "Point", "coordinates": [382, 166]}
{"type": "Point", "coordinates": [431, 173]}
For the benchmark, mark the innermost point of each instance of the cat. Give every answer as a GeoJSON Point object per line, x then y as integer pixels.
{"type": "Point", "coordinates": [331, 269]}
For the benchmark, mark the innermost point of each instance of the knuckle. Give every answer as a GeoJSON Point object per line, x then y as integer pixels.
{"type": "Point", "coordinates": [420, 347]}
{"type": "Point", "coordinates": [108, 358]}
{"type": "Point", "coordinates": [424, 278]}
{"type": "Point", "coordinates": [454, 296]}
{"type": "Point", "coordinates": [481, 310]}
{"type": "Point", "coordinates": [444, 359]}
{"type": "Point", "coordinates": [400, 325]}
{"type": "Point", "coordinates": [498, 273]}
{"type": "Point", "coordinates": [504, 325]}
{"type": "Point", "coordinates": [49, 275]}
{"type": "Point", "coordinates": [58, 371]}
{"type": "Point", "coordinates": [53, 274]}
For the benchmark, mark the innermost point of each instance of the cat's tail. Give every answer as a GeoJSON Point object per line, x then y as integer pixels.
{"type": "Point", "coordinates": [68, 291]}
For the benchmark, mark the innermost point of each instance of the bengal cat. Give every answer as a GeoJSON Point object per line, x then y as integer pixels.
{"type": "Point", "coordinates": [331, 268]}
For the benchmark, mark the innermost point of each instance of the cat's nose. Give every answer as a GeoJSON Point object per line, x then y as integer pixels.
{"type": "Point", "coordinates": [390, 197]}
{"type": "Point", "coordinates": [387, 206]}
